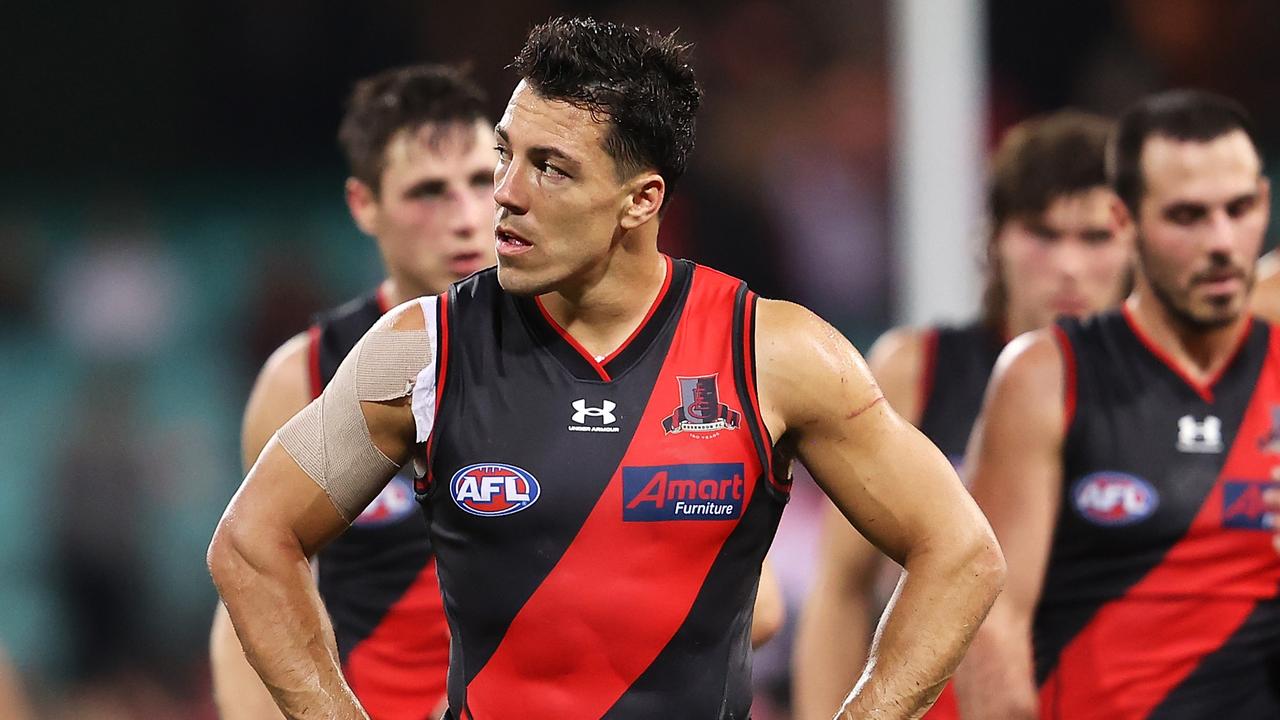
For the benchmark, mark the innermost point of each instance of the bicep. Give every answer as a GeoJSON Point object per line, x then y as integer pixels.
{"type": "Point", "coordinates": [1015, 467]}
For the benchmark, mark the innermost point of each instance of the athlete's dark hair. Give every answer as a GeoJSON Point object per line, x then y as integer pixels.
{"type": "Point", "coordinates": [1184, 115]}
{"type": "Point", "coordinates": [1038, 161]}
{"type": "Point", "coordinates": [637, 79]}
{"type": "Point", "coordinates": [403, 98]}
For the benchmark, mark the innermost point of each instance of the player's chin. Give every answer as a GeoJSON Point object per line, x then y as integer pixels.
{"type": "Point", "coordinates": [519, 280]}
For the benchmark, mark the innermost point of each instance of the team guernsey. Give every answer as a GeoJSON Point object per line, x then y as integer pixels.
{"type": "Point", "coordinates": [378, 579]}
{"type": "Point", "coordinates": [958, 363]}
{"type": "Point", "coordinates": [1160, 598]}
{"type": "Point", "coordinates": [599, 522]}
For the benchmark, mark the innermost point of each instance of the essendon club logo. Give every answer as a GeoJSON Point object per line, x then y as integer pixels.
{"type": "Point", "coordinates": [1242, 505]}
{"type": "Point", "coordinates": [700, 408]}
{"type": "Point", "coordinates": [697, 491]}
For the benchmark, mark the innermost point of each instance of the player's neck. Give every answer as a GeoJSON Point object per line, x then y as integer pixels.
{"type": "Point", "coordinates": [603, 309]}
{"type": "Point", "coordinates": [1199, 352]}
{"type": "Point", "coordinates": [393, 292]}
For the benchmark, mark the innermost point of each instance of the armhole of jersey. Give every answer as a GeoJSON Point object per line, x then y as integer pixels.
{"type": "Point", "coordinates": [1068, 379]}
{"type": "Point", "coordinates": [429, 388]}
{"type": "Point", "coordinates": [313, 360]}
{"type": "Point", "coordinates": [928, 370]}
{"type": "Point", "coordinates": [744, 370]}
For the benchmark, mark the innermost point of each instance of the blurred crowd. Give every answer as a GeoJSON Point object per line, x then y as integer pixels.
{"type": "Point", "coordinates": [174, 212]}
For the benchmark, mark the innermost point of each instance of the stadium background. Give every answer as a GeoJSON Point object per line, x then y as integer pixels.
{"type": "Point", "coordinates": [171, 210]}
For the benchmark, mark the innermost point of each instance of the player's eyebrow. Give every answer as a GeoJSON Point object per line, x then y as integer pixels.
{"type": "Point", "coordinates": [540, 152]}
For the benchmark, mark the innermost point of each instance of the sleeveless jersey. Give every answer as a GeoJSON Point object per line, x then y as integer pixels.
{"type": "Point", "coordinates": [958, 364]}
{"type": "Point", "coordinates": [378, 579]}
{"type": "Point", "coordinates": [599, 523]}
{"type": "Point", "coordinates": [1160, 597]}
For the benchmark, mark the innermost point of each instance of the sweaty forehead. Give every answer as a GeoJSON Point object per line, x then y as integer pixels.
{"type": "Point", "coordinates": [1194, 171]}
{"type": "Point", "coordinates": [532, 120]}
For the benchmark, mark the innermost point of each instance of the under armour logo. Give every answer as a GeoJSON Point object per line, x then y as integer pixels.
{"type": "Point", "coordinates": [604, 412]}
{"type": "Point", "coordinates": [1200, 436]}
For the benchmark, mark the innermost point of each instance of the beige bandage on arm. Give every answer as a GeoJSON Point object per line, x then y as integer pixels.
{"type": "Point", "coordinates": [329, 438]}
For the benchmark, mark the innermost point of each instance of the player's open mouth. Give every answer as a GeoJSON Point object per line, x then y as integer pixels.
{"type": "Point", "coordinates": [510, 243]}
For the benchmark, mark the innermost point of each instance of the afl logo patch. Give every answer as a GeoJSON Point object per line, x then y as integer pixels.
{"type": "Point", "coordinates": [1114, 499]}
{"type": "Point", "coordinates": [493, 489]}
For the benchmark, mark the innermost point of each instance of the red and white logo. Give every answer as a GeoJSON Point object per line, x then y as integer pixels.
{"type": "Point", "coordinates": [394, 503]}
{"type": "Point", "coordinates": [1114, 498]}
{"type": "Point", "coordinates": [493, 489]}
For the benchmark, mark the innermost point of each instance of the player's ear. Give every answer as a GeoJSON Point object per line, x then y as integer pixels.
{"type": "Point", "coordinates": [362, 201]}
{"type": "Point", "coordinates": [1120, 214]}
{"type": "Point", "coordinates": [645, 195]}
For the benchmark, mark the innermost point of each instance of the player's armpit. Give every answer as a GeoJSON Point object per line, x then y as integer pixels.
{"type": "Point", "coordinates": [897, 489]}
{"type": "Point", "coordinates": [1014, 463]}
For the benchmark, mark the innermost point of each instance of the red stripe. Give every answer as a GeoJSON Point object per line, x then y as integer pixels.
{"type": "Point", "coordinates": [400, 671]}
{"type": "Point", "coordinates": [622, 589]}
{"type": "Point", "coordinates": [1068, 377]}
{"type": "Point", "coordinates": [1136, 649]}
{"type": "Point", "coordinates": [930, 370]}
{"type": "Point", "coordinates": [313, 360]}
{"type": "Point", "coordinates": [1203, 388]}
{"type": "Point", "coordinates": [591, 360]}
{"type": "Point", "coordinates": [662, 294]}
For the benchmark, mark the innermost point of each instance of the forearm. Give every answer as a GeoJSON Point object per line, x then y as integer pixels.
{"type": "Point", "coordinates": [238, 692]}
{"type": "Point", "coordinates": [282, 626]}
{"type": "Point", "coordinates": [924, 632]}
{"type": "Point", "coordinates": [831, 649]}
{"type": "Point", "coordinates": [997, 679]}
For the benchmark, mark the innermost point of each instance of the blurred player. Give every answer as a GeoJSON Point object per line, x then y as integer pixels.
{"type": "Point", "coordinates": [1122, 459]}
{"type": "Point", "coordinates": [605, 435]}
{"type": "Point", "coordinates": [1054, 249]}
{"type": "Point", "coordinates": [13, 701]}
{"type": "Point", "coordinates": [420, 152]}
{"type": "Point", "coordinates": [1266, 293]}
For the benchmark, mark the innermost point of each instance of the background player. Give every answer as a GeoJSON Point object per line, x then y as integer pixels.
{"type": "Point", "coordinates": [1054, 249]}
{"type": "Point", "coordinates": [586, 160]}
{"type": "Point", "coordinates": [420, 153]}
{"type": "Point", "coordinates": [1122, 459]}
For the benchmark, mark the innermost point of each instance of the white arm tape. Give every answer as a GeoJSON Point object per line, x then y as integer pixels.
{"type": "Point", "coordinates": [329, 438]}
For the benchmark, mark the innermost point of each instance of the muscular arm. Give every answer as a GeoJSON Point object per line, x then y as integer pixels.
{"type": "Point", "coordinates": [835, 625]}
{"type": "Point", "coordinates": [1015, 466]}
{"type": "Point", "coordinates": [258, 559]}
{"type": "Point", "coordinates": [898, 490]}
{"type": "Point", "coordinates": [281, 390]}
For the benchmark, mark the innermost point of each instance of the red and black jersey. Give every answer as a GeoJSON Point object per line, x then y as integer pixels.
{"type": "Point", "coordinates": [378, 579]}
{"type": "Point", "coordinates": [599, 523]}
{"type": "Point", "coordinates": [1160, 597]}
{"type": "Point", "coordinates": [958, 363]}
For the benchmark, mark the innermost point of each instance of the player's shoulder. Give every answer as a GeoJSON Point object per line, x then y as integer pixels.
{"type": "Point", "coordinates": [798, 350]}
{"type": "Point", "coordinates": [1266, 294]}
{"type": "Point", "coordinates": [1033, 362]}
{"type": "Point", "coordinates": [901, 350]}
{"type": "Point", "coordinates": [290, 364]}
